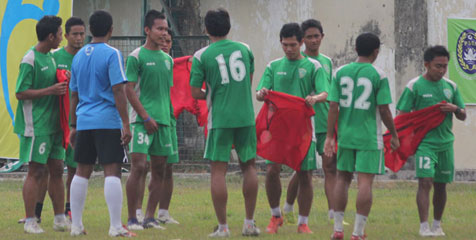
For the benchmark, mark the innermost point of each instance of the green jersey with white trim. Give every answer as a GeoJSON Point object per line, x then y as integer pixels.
{"type": "Point", "coordinates": [152, 71]}
{"type": "Point", "coordinates": [226, 67]}
{"type": "Point", "coordinates": [421, 93]}
{"type": "Point", "coordinates": [63, 59]}
{"type": "Point", "coordinates": [37, 117]}
{"type": "Point", "coordinates": [359, 88]}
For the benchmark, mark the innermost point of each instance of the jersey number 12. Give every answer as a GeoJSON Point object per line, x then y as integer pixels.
{"type": "Point", "coordinates": [237, 67]}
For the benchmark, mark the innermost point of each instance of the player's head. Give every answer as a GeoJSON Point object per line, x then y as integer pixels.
{"type": "Point", "coordinates": [100, 23]}
{"type": "Point", "coordinates": [75, 32]}
{"type": "Point", "coordinates": [367, 45]}
{"type": "Point", "coordinates": [313, 34]}
{"type": "Point", "coordinates": [155, 27]}
{"type": "Point", "coordinates": [436, 62]}
{"type": "Point", "coordinates": [217, 22]}
{"type": "Point", "coordinates": [167, 44]}
{"type": "Point", "coordinates": [290, 37]}
{"type": "Point", "coordinates": [48, 30]}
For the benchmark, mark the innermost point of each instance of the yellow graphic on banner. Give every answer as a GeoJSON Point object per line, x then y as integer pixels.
{"type": "Point", "coordinates": [18, 19]}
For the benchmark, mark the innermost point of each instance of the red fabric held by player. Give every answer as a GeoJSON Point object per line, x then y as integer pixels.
{"type": "Point", "coordinates": [64, 106]}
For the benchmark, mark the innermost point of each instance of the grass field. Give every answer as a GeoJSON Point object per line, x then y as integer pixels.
{"type": "Point", "coordinates": [393, 216]}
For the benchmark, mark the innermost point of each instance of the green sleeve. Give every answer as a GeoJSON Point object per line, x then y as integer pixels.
{"type": "Point", "coordinates": [252, 62]}
{"type": "Point", "coordinates": [197, 74]}
{"type": "Point", "coordinates": [406, 102]}
{"type": "Point", "coordinates": [132, 69]}
{"type": "Point", "coordinates": [266, 80]}
{"type": "Point", "coordinates": [458, 100]}
{"type": "Point", "coordinates": [320, 81]}
{"type": "Point", "coordinates": [25, 78]}
{"type": "Point", "coordinates": [383, 92]}
{"type": "Point", "coordinates": [334, 92]}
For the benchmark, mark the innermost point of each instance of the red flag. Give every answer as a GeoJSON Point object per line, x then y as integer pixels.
{"type": "Point", "coordinates": [64, 107]}
{"type": "Point", "coordinates": [284, 129]}
{"type": "Point", "coordinates": [411, 128]}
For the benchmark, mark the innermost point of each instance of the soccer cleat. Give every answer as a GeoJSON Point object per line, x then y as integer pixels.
{"type": "Point", "coordinates": [121, 232]}
{"type": "Point", "coordinates": [357, 237]}
{"type": "Point", "coordinates": [289, 218]}
{"type": "Point", "coordinates": [438, 232]}
{"type": "Point", "coordinates": [140, 217]}
{"type": "Point", "coordinates": [219, 234]}
{"type": "Point", "coordinates": [337, 235]}
{"type": "Point", "coordinates": [75, 231]}
{"type": "Point", "coordinates": [166, 219]}
{"type": "Point", "coordinates": [250, 230]}
{"type": "Point", "coordinates": [152, 223]}
{"type": "Point", "coordinates": [133, 224]}
{"type": "Point", "coordinates": [32, 227]}
{"type": "Point", "coordinates": [426, 232]}
{"type": "Point", "coordinates": [274, 224]}
{"type": "Point", "coordinates": [304, 228]}
{"type": "Point", "coordinates": [62, 225]}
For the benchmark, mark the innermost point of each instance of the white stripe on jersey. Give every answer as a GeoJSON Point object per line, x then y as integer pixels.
{"type": "Point", "coordinates": [28, 116]}
{"type": "Point", "coordinates": [121, 67]}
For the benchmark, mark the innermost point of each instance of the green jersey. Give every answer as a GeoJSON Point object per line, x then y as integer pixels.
{"type": "Point", "coordinates": [63, 59]}
{"type": "Point", "coordinates": [152, 71]}
{"type": "Point", "coordinates": [321, 109]}
{"type": "Point", "coordinates": [40, 116]}
{"type": "Point", "coordinates": [359, 88]}
{"type": "Point", "coordinates": [421, 93]}
{"type": "Point", "coordinates": [226, 68]}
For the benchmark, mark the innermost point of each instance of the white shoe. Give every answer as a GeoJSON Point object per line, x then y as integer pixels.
{"type": "Point", "coordinates": [219, 234]}
{"type": "Point", "coordinates": [62, 225]}
{"type": "Point", "coordinates": [167, 220]}
{"type": "Point", "coordinates": [121, 232]}
{"type": "Point", "coordinates": [250, 230]}
{"type": "Point", "coordinates": [152, 223]}
{"type": "Point", "coordinates": [32, 227]}
{"type": "Point", "coordinates": [135, 226]}
{"type": "Point", "coordinates": [140, 217]}
{"type": "Point", "coordinates": [438, 232]}
{"type": "Point", "coordinates": [426, 232]}
{"type": "Point", "coordinates": [75, 231]}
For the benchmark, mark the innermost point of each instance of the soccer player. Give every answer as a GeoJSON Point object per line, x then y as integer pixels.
{"type": "Point", "coordinates": [149, 71]}
{"type": "Point", "coordinates": [303, 77]}
{"type": "Point", "coordinates": [227, 68]}
{"type": "Point", "coordinates": [37, 123]}
{"type": "Point", "coordinates": [359, 98]}
{"type": "Point", "coordinates": [99, 121]}
{"type": "Point", "coordinates": [434, 157]}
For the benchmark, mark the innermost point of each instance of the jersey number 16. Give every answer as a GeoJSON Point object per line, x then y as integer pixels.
{"type": "Point", "coordinates": [237, 67]}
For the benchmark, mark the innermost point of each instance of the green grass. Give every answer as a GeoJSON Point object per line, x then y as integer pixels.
{"type": "Point", "coordinates": [393, 216]}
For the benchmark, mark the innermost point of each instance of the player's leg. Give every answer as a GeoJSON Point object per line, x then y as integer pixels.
{"type": "Point", "coordinates": [168, 184]}
{"type": "Point", "coordinates": [30, 194]}
{"type": "Point", "coordinates": [425, 160]}
{"type": "Point", "coordinates": [305, 192]}
{"type": "Point", "coordinates": [444, 174]}
{"type": "Point", "coordinates": [273, 192]}
{"type": "Point", "coordinates": [137, 172]}
{"type": "Point", "coordinates": [329, 166]}
{"type": "Point", "coordinates": [140, 195]}
{"type": "Point", "coordinates": [71, 165]}
{"type": "Point", "coordinates": [41, 195]}
{"type": "Point", "coordinates": [291, 195]}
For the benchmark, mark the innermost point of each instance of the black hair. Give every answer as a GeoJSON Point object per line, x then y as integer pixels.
{"type": "Point", "coordinates": [366, 43]}
{"type": "Point", "coordinates": [290, 30]}
{"type": "Point", "coordinates": [217, 22]}
{"type": "Point", "coordinates": [435, 51]}
{"type": "Point", "coordinates": [170, 33]}
{"type": "Point", "coordinates": [72, 21]}
{"type": "Point", "coordinates": [47, 24]}
{"type": "Point", "coordinates": [311, 23]}
{"type": "Point", "coordinates": [100, 23]}
{"type": "Point", "coordinates": [150, 17]}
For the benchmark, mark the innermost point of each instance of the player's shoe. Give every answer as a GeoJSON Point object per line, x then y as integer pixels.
{"type": "Point", "coordinates": [133, 224]}
{"type": "Point", "coordinates": [167, 219]}
{"type": "Point", "coordinates": [121, 232]}
{"type": "Point", "coordinates": [289, 218]}
{"type": "Point", "coordinates": [250, 230]}
{"type": "Point", "coordinates": [304, 228]}
{"type": "Point", "coordinates": [75, 231]}
{"type": "Point", "coordinates": [426, 232]}
{"type": "Point", "coordinates": [337, 235]}
{"type": "Point", "coordinates": [32, 227]}
{"type": "Point", "coordinates": [152, 223]}
{"type": "Point", "coordinates": [62, 225]}
{"type": "Point", "coordinates": [22, 220]}
{"type": "Point", "coordinates": [219, 234]}
{"type": "Point", "coordinates": [274, 224]}
{"type": "Point", "coordinates": [358, 237]}
{"type": "Point", "coordinates": [438, 232]}
{"type": "Point", "coordinates": [140, 217]}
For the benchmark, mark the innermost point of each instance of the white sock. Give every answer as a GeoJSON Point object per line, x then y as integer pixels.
{"type": "Point", "coordinates": [436, 223]}
{"type": "Point", "coordinates": [249, 221]}
{"type": "Point", "coordinates": [359, 225]}
{"type": "Point", "coordinates": [330, 214]}
{"type": "Point", "coordinates": [302, 220]}
{"type": "Point", "coordinates": [163, 212]}
{"type": "Point", "coordinates": [30, 220]}
{"type": "Point", "coordinates": [113, 194]}
{"type": "Point", "coordinates": [288, 208]}
{"type": "Point", "coordinates": [424, 225]}
{"type": "Point", "coordinates": [222, 227]}
{"type": "Point", "coordinates": [79, 189]}
{"type": "Point", "coordinates": [139, 212]}
{"type": "Point", "coordinates": [276, 212]}
{"type": "Point", "coordinates": [338, 219]}
{"type": "Point", "coordinates": [60, 218]}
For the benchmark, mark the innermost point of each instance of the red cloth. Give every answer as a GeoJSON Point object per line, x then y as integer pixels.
{"type": "Point", "coordinates": [64, 107]}
{"type": "Point", "coordinates": [284, 129]}
{"type": "Point", "coordinates": [411, 128]}
{"type": "Point", "coordinates": [181, 95]}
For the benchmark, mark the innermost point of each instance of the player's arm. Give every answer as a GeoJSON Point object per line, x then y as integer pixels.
{"type": "Point", "coordinates": [197, 77]}
{"type": "Point", "coordinates": [387, 119]}
{"type": "Point", "coordinates": [198, 93]}
{"type": "Point", "coordinates": [56, 89]}
{"type": "Point", "coordinates": [312, 99]}
{"type": "Point", "coordinates": [457, 107]}
{"type": "Point", "coordinates": [329, 145]}
{"type": "Point", "coordinates": [150, 124]}
{"type": "Point", "coordinates": [73, 103]}
{"type": "Point", "coordinates": [265, 84]}
{"type": "Point", "coordinates": [321, 85]}
{"type": "Point", "coordinates": [121, 105]}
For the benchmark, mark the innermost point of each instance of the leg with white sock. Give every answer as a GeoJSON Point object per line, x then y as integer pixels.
{"type": "Point", "coordinates": [79, 188]}
{"type": "Point", "coordinates": [113, 193]}
{"type": "Point", "coordinates": [364, 202]}
{"type": "Point", "coordinates": [341, 195]}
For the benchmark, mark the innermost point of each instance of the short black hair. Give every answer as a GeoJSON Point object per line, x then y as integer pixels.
{"type": "Point", "coordinates": [435, 51]}
{"type": "Point", "coordinates": [170, 33]}
{"type": "Point", "coordinates": [311, 23]}
{"type": "Point", "coordinates": [47, 24]}
{"type": "Point", "coordinates": [72, 21]}
{"type": "Point", "coordinates": [100, 23]}
{"type": "Point", "coordinates": [290, 30]}
{"type": "Point", "coordinates": [217, 22]}
{"type": "Point", "coordinates": [150, 17]}
{"type": "Point", "coordinates": [366, 43]}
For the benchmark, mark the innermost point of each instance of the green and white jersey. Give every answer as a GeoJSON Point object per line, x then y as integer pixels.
{"type": "Point", "coordinates": [37, 117]}
{"type": "Point", "coordinates": [225, 66]}
{"type": "Point", "coordinates": [322, 109]}
{"type": "Point", "coordinates": [63, 58]}
{"type": "Point", "coordinates": [152, 71]}
{"type": "Point", "coordinates": [359, 88]}
{"type": "Point", "coordinates": [421, 93]}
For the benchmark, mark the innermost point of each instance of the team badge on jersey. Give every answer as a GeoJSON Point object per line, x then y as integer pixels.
{"type": "Point", "coordinates": [448, 93]}
{"type": "Point", "coordinates": [326, 67]}
{"type": "Point", "coordinates": [466, 51]}
{"type": "Point", "coordinates": [167, 64]}
{"type": "Point", "coordinates": [302, 72]}
{"type": "Point", "coordinates": [89, 50]}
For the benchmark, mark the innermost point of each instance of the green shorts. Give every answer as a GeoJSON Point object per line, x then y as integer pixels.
{"type": "Point", "coordinates": [438, 165]}
{"type": "Point", "coordinates": [69, 158]}
{"type": "Point", "coordinates": [41, 148]}
{"type": "Point", "coordinates": [364, 161]}
{"type": "Point", "coordinates": [320, 140]}
{"type": "Point", "coordinates": [309, 163]}
{"type": "Point", "coordinates": [220, 140]}
{"type": "Point", "coordinates": [158, 143]}
{"type": "Point", "coordinates": [174, 158]}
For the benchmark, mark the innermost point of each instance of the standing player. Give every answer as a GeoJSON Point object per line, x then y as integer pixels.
{"type": "Point", "coordinates": [434, 157]}
{"type": "Point", "coordinates": [149, 71]}
{"type": "Point", "coordinates": [227, 67]}
{"type": "Point", "coordinates": [359, 97]}
{"type": "Point", "coordinates": [303, 77]}
{"type": "Point", "coordinates": [98, 113]}
{"type": "Point", "coordinates": [37, 123]}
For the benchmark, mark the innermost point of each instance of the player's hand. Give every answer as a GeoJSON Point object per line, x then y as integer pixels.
{"type": "Point", "coordinates": [59, 88]}
{"type": "Point", "coordinates": [151, 126]}
{"type": "Point", "coordinates": [261, 94]}
{"type": "Point", "coordinates": [68, 74]}
{"type": "Point", "coordinates": [126, 134]}
{"type": "Point", "coordinates": [394, 143]}
{"type": "Point", "coordinates": [310, 100]}
{"type": "Point", "coordinates": [329, 147]}
{"type": "Point", "coordinates": [448, 107]}
{"type": "Point", "coordinates": [72, 137]}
